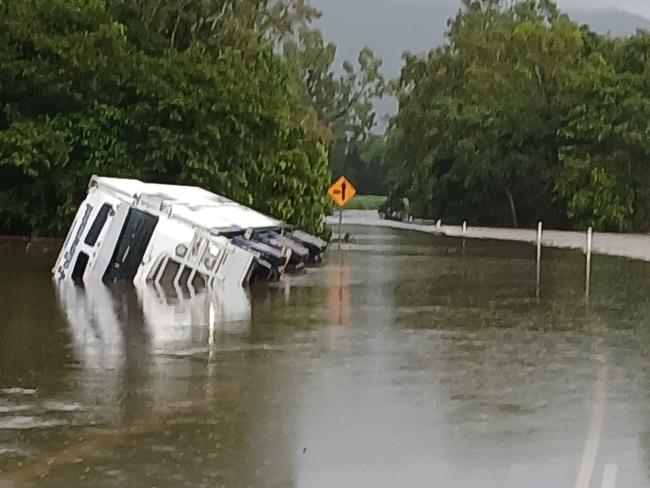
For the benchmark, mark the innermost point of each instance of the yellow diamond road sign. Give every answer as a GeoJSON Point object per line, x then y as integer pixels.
{"type": "Point", "coordinates": [342, 191]}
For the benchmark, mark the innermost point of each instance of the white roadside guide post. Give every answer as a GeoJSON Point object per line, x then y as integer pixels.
{"type": "Point", "coordinates": [340, 225]}
{"type": "Point", "coordinates": [589, 247]}
{"type": "Point", "coordinates": [539, 259]}
{"type": "Point", "coordinates": [464, 232]}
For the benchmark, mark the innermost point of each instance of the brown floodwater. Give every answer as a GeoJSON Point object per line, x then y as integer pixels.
{"type": "Point", "coordinates": [406, 360]}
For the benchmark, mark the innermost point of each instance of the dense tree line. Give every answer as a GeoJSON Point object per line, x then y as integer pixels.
{"type": "Point", "coordinates": [524, 115]}
{"type": "Point", "coordinates": [521, 115]}
{"type": "Point", "coordinates": [178, 91]}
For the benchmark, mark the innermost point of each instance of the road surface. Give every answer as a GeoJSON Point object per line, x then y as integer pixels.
{"type": "Point", "coordinates": [634, 246]}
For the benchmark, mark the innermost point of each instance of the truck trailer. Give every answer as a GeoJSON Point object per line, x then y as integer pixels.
{"type": "Point", "coordinates": [181, 238]}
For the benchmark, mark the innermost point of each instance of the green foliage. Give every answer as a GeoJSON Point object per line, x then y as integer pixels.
{"type": "Point", "coordinates": [219, 24]}
{"type": "Point", "coordinates": [362, 162]}
{"type": "Point", "coordinates": [339, 105]}
{"type": "Point", "coordinates": [81, 93]}
{"type": "Point", "coordinates": [524, 115]}
{"type": "Point", "coordinates": [595, 198]}
{"type": "Point", "coordinates": [342, 102]}
{"type": "Point", "coordinates": [366, 202]}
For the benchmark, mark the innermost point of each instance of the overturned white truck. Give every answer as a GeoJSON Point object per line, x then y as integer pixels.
{"type": "Point", "coordinates": [180, 238]}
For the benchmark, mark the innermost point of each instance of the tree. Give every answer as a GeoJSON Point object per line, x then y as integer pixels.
{"type": "Point", "coordinates": [606, 143]}
{"type": "Point", "coordinates": [523, 115]}
{"type": "Point", "coordinates": [340, 106]}
{"type": "Point", "coordinates": [80, 94]}
{"type": "Point", "coordinates": [216, 23]}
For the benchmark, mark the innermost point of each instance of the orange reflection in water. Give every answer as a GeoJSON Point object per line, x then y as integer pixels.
{"type": "Point", "coordinates": [338, 294]}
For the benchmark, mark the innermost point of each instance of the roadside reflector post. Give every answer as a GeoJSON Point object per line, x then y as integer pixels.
{"type": "Point", "coordinates": [588, 251]}
{"type": "Point", "coordinates": [538, 280]}
{"type": "Point", "coordinates": [340, 226]}
{"type": "Point", "coordinates": [464, 232]}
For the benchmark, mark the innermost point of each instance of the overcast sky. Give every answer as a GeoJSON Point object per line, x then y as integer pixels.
{"type": "Point", "coordinates": [640, 7]}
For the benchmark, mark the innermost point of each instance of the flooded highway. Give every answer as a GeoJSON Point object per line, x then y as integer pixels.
{"type": "Point", "coordinates": [407, 359]}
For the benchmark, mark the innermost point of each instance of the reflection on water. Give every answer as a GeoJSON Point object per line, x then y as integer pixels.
{"type": "Point", "coordinates": [338, 295]}
{"type": "Point", "coordinates": [123, 335]}
{"type": "Point", "coordinates": [404, 360]}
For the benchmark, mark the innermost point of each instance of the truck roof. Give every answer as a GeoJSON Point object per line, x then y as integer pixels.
{"type": "Point", "coordinates": [190, 204]}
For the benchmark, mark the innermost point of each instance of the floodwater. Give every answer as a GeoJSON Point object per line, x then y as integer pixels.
{"type": "Point", "coordinates": [407, 360]}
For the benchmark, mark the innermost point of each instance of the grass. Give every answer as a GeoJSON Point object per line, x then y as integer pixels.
{"type": "Point", "coordinates": [366, 202]}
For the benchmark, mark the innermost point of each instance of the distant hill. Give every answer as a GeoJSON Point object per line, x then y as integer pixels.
{"type": "Point", "coordinates": [611, 21]}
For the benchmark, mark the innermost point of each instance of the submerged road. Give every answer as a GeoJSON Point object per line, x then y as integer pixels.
{"type": "Point", "coordinates": [405, 360]}
{"type": "Point", "coordinates": [634, 246]}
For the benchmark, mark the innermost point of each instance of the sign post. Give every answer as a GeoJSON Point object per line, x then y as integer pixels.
{"type": "Point", "coordinates": [341, 192]}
